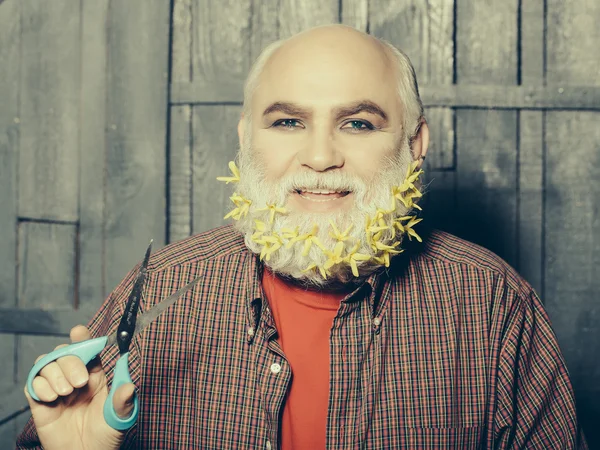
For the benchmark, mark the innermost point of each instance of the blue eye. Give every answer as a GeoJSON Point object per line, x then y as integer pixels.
{"type": "Point", "coordinates": [360, 125]}
{"type": "Point", "coordinates": [287, 123]}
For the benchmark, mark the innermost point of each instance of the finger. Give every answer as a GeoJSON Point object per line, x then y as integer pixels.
{"type": "Point", "coordinates": [80, 333]}
{"type": "Point", "coordinates": [74, 370]}
{"type": "Point", "coordinates": [43, 390]}
{"type": "Point", "coordinates": [56, 379]}
{"type": "Point", "coordinates": [123, 400]}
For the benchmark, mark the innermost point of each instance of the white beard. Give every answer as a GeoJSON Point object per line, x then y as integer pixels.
{"type": "Point", "coordinates": [293, 260]}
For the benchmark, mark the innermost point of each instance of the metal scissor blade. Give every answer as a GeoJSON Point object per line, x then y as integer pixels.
{"type": "Point", "coordinates": [149, 316]}
{"type": "Point", "coordinates": [127, 325]}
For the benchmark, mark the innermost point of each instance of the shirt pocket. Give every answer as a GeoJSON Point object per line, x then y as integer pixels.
{"type": "Point", "coordinates": [464, 438]}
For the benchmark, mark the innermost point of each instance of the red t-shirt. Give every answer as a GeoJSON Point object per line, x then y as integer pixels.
{"type": "Point", "coordinates": [303, 320]}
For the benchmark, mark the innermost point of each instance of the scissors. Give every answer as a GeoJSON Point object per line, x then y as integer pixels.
{"type": "Point", "coordinates": [128, 328]}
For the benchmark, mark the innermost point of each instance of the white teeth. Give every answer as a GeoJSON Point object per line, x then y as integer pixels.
{"type": "Point", "coordinates": [320, 191]}
{"type": "Point", "coordinates": [318, 201]}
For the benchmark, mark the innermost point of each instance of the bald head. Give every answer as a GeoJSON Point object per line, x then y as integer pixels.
{"type": "Point", "coordinates": [336, 63]}
{"type": "Point", "coordinates": [326, 47]}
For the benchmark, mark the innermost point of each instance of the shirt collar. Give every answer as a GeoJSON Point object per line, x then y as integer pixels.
{"type": "Point", "coordinates": [375, 289]}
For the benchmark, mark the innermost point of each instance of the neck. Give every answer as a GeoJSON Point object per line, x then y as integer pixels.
{"type": "Point", "coordinates": [333, 286]}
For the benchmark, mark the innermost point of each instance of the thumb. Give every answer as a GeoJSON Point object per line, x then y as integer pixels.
{"type": "Point", "coordinates": [123, 400]}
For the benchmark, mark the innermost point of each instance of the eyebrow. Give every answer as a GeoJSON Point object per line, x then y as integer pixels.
{"type": "Point", "coordinates": [296, 110]}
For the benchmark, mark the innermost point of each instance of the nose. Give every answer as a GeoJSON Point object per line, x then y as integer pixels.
{"type": "Point", "coordinates": [320, 153]}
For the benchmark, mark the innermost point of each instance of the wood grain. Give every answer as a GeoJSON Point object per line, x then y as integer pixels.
{"type": "Point", "coordinates": [220, 42]}
{"type": "Point", "coordinates": [531, 174]}
{"type": "Point", "coordinates": [214, 143]}
{"type": "Point", "coordinates": [572, 226]}
{"type": "Point", "coordinates": [572, 43]}
{"type": "Point", "coordinates": [46, 265]}
{"type": "Point", "coordinates": [563, 97]}
{"type": "Point", "coordinates": [49, 102]}
{"type": "Point", "coordinates": [181, 44]}
{"type": "Point", "coordinates": [280, 19]}
{"type": "Point", "coordinates": [531, 150]}
{"type": "Point", "coordinates": [299, 15]}
{"type": "Point", "coordinates": [10, 52]}
{"type": "Point", "coordinates": [10, 41]}
{"type": "Point", "coordinates": [91, 268]}
{"type": "Point", "coordinates": [181, 187]}
{"type": "Point", "coordinates": [53, 320]}
{"type": "Point", "coordinates": [136, 112]}
{"type": "Point", "coordinates": [486, 34]}
{"type": "Point", "coordinates": [355, 13]}
{"type": "Point", "coordinates": [424, 31]}
{"type": "Point", "coordinates": [486, 180]}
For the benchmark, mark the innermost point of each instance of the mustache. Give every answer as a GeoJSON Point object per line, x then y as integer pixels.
{"type": "Point", "coordinates": [335, 180]}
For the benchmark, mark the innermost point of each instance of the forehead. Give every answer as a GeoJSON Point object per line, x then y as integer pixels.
{"type": "Point", "coordinates": [322, 75]}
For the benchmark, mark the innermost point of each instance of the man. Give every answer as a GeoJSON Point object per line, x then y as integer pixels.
{"type": "Point", "coordinates": [322, 319]}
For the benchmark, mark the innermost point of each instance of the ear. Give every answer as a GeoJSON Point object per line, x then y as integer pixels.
{"type": "Point", "coordinates": [420, 142]}
{"type": "Point", "coordinates": [241, 129]}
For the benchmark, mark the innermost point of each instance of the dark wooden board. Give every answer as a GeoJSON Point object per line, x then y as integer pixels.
{"type": "Point", "coordinates": [572, 225]}
{"type": "Point", "coordinates": [212, 150]}
{"type": "Point", "coordinates": [355, 13]}
{"type": "Point", "coordinates": [92, 170]}
{"type": "Point", "coordinates": [181, 187]}
{"type": "Point", "coordinates": [10, 42]}
{"type": "Point", "coordinates": [47, 265]}
{"type": "Point", "coordinates": [49, 110]}
{"type": "Point", "coordinates": [136, 137]}
{"type": "Point", "coordinates": [531, 150]}
{"type": "Point", "coordinates": [572, 246]}
{"type": "Point", "coordinates": [487, 185]}
{"type": "Point", "coordinates": [424, 31]}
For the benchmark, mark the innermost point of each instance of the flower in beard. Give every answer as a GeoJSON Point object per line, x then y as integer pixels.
{"type": "Point", "coordinates": [310, 246]}
{"type": "Point", "coordinates": [242, 207]}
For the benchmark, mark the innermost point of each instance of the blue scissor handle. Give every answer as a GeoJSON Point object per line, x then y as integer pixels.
{"type": "Point", "coordinates": [84, 350]}
{"type": "Point", "coordinates": [121, 376]}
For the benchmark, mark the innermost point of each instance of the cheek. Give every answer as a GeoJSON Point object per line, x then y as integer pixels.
{"type": "Point", "coordinates": [276, 152]}
{"type": "Point", "coordinates": [365, 158]}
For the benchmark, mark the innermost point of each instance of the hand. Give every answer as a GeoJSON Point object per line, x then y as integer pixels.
{"type": "Point", "coordinates": [70, 413]}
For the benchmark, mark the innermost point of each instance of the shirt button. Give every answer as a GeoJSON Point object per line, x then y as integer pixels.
{"type": "Point", "coordinates": [250, 331]}
{"type": "Point", "coordinates": [376, 321]}
{"type": "Point", "coordinates": [268, 445]}
{"type": "Point", "coordinates": [275, 368]}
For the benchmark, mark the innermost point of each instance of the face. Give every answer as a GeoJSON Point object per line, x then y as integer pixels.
{"type": "Point", "coordinates": [324, 150]}
{"type": "Point", "coordinates": [324, 111]}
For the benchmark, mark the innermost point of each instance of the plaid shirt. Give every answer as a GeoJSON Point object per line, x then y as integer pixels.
{"type": "Point", "coordinates": [449, 348]}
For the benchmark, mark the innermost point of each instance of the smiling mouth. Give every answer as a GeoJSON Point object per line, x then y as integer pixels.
{"type": "Point", "coordinates": [321, 195]}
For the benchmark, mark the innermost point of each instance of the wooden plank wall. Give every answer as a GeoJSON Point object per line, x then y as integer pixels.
{"type": "Point", "coordinates": [83, 132]}
{"type": "Point", "coordinates": [97, 155]}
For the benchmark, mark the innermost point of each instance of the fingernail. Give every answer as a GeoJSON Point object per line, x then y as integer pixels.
{"type": "Point", "coordinates": [62, 386]}
{"type": "Point", "coordinates": [79, 378]}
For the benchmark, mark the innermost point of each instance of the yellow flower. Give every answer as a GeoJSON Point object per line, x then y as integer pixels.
{"type": "Point", "coordinates": [341, 237]}
{"type": "Point", "coordinates": [321, 269]}
{"type": "Point", "coordinates": [410, 232]}
{"type": "Point", "coordinates": [335, 257]}
{"type": "Point", "coordinates": [288, 233]}
{"type": "Point", "coordinates": [406, 197]}
{"type": "Point", "coordinates": [374, 226]}
{"type": "Point", "coordinates": [411, 177]}
{"type": "Point", "coordinates": [270, 245]}
{"type": "Point", "coordinates": [236, 174]}
{"type": "Point", "coordinates": [309, 239]}
{"type": "Point", "coordinates": [384, 258]}
{"type": "Point", "coordinates": [274, 209]}
{"type": "Point", "coordinates": [261, 229]}
{"type": "Point", "coordinates": [242, 206]}
{"type": "Point", "coordinates": [353, 257]}
{"type": "Point", "coordinates": [389, 248]}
